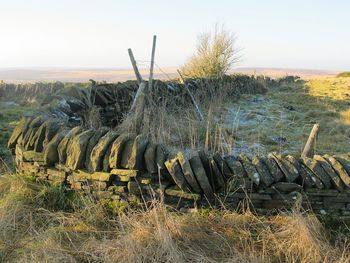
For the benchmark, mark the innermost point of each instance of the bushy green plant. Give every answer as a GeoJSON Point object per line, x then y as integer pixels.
{"type": "Point", "coordinates": [214, 55]}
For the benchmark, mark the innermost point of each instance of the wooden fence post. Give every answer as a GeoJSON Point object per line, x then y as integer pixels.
{"type": "Point", "coordinates": [311, 142]}
{"type": "Point", "coordinates": [136, 70]}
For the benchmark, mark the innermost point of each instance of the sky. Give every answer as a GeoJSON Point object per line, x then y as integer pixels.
{"type": "Point", "coordinates": [311, 34]}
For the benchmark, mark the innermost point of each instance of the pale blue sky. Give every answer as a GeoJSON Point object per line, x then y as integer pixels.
{"type": "Point", "coordinates": [97, 33]}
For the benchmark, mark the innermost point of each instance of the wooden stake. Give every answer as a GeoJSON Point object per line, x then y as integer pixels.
{"type": "Point", "coordinates": [311, 142]}
{"type": "Point", "coordinates": [136, 70]}
{"type": "Point", "coordinates": [152, 63]}
{"type": "Point", "coordinates": [192, 97]}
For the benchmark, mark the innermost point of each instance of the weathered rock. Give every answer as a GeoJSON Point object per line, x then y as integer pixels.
{"type": "Point", "coordinates": [30, 138]}
{"type": "Point", "coordinates": [62, 146]}
{"type": "Point", "coordinates": [235, 167]}
{"type": "Point", "coordinates": [307, 178]}
{"type": "Point", "coordinates": [32, 126]}
{"type": "Point", "coordinates": [265, 177]}
{"type": "Point", "coordinates": [126, 153]}
{"type": "Point", "coordinates": [188, 173]}
{"type": "Point", "coordinates": [223, 167]}
{"type": "Point", "coordinates": [317, 170]}
{"type": "Point", "coordinates": [52, 127]}
{"type": "Point", "coordinates": [344, 161]}
{"type": "Point", "coordinates": [99, 151]}
{"type": "Point", "coordinates": [150, 158]}
{"type": "Point", "coordinates": [287, 187]}
{"type": "Point", "coordinates": [201, 176]}
{"type": "Point", "coordinates": [250, 169]}
{"type": "Point", "coordinates": [175, 171]}
{"type": "Point", "coordinates": [21, 128]}
{"type": "Point", "coordinates": [240, 185]}
{"type": "Point", "coordinates": [289, 171]}
{"type": "Point", "coordinates": [44, 134]}
{"type": "Point", "coordinates": [216, 175]}
{"type": "Point", "coordinates": [175, 191]}
{"type": "Point", "coordinates": [91, 144]}
{"type": "Point", "coordinates": [134, 188]}
{"type": "Point", "coordinates": [339, 169]}
{"type": "Point", "coordinates": [335, 179]}
{"type": "Point", "coordinates": [161, 156]}
{"type": "Point", "coordinates": [135, 161]}
{"type": "Point", "coordinates": [117, 150]}
{"type": "Point", "coordinates": [76, 150]}
{"type": "Point", "coordinates": [274, 169]}
{"type": "Point", "coordinates": [106, 167]}
{"type": "Point", "coordinates": [32, 156]}
{"type": "Point", "coordinates": [51, 150]}
{"type": "Point", "coordinates": [206, 166]}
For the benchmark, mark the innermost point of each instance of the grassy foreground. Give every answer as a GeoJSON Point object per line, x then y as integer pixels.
{"type": "Point", "coordinates": [45, 224]}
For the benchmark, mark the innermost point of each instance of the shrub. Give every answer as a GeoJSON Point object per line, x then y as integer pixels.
{"type": "Point", "coordinates": [345, 74]}
{"type": "Point", "coordinates": [214, 56]}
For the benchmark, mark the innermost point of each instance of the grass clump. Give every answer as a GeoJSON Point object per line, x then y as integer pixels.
{"type": "Point", "coordinates": [35, 227]}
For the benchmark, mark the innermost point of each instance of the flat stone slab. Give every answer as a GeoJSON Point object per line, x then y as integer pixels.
{"type": "Point", "coordinates": [250, 169]}
{"type": "Point", "coordinates": [274, 169]}
{"type": "Point", "coordinates": [216, 175]}
{"type": "Point", "coordinates": [150, 158]}
{"type": "Point", "coordinates": [344, 161]}
{"type": "Point", "coordinates": [265, 177]}
{"type": "Point", "coordinates": [100, 149]}
{"type": "Point", "coordinates": [175, 171]}
{"type": "Point", "coordinates": [135, 161]}
{"type": "Point", "coordinates": [223, 167]}
{"type": "Point", "coordinates": [62, 146]}
{"type": "Point", "coordinates": [289, 171]}
{"type": "Point", "coordinates": [117, 150]}
{"type": "Point", "coordinates": [201, 176]}
{"type": "Point", "coordinates": [175, 191]}
{"type": "Point", "coordinates": [32, 156]}
{"type": "Point", "coordinates": [20, 128]}
{"type": "Point", "coordinates": [188, 173]}
{"type": "Point", "coordinates": [91, 144]}
{"type": "Point", "coordinates": [317, 170]}
{"type": "Point", "coordinates": [308, 179]}
{"type": "Point", "coordinates": [235, 167]}
{"type": "Point", "coordinates": [287, 187]}
{"type": "Point", "coordinates": [76, 150]}
{"type": "Point", "coordinates": [339, 169]}
{"type": "Point", "coordinates": [51, 156]}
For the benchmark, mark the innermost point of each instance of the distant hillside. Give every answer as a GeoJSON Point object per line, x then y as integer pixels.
{"type": "Point", "coordinates": [113, 75]}
{"type": "Point", "coordinates": [278, 72]}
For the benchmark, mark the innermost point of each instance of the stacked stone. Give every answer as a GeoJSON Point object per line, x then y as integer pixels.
{"type": "Point", "coordinates": [130, 167]}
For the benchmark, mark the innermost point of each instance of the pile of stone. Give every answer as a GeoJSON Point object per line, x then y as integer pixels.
{"type": "Point", "coordinates": [130, 167]}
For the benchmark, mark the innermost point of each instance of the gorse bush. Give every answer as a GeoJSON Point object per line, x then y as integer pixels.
{"type": "Point", "coordinates": [214, 55]}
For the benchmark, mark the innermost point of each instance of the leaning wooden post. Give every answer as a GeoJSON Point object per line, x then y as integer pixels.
{"type": "Point", "coordinates": [152, 63]}
{"type": "Point", "coordinates": [136, 70]}
{"type": "Point", "coordinates": [311, 142]}
{"type": "Point", "coordinates": [192, 97]}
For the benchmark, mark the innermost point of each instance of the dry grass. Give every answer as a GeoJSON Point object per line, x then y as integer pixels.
{"type": "Point", "coordinates": [43, 224]}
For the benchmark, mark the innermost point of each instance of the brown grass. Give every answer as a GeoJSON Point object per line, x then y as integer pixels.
{"type": "Point", "coordinates": [42, 224]}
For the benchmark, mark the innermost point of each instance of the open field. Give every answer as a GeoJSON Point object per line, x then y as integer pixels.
{"type": "Point", "coordinates": [40, 223]}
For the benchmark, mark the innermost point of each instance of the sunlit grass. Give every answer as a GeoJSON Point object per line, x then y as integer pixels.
{"type": "Point", "coordinates": [43, 224]}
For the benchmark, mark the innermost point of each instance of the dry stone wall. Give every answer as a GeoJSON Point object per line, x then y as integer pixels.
{"type": "Point", "coordinates": [131, 168]}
